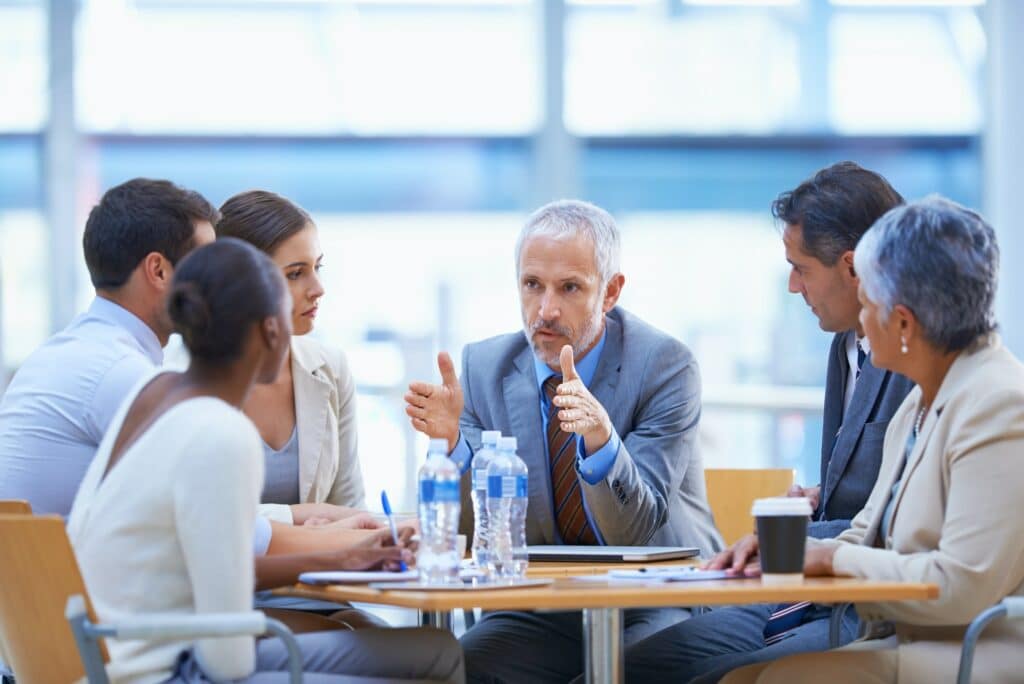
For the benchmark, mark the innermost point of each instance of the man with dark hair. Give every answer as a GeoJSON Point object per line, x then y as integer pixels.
{"type": "Point", "coordinates": [58, 405]}
{"type": "Point", "coordinates": [824, 219]}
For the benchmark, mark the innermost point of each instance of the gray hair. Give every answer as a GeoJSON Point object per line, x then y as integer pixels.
{"type": "Point", "coordinates": [569, 218]}
{"type": "Point", "coordinates": [938, 259]}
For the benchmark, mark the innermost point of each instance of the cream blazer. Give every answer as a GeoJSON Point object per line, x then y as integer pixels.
{"type": "Point", "coordinates": [325, 414]}
{"type": "Point", "coordinates": [957, 520]}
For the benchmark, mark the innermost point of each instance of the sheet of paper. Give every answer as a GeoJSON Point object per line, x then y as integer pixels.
{"type": "Point", "coordinates": [349, 577]}
{"type": "Point", "coordinates": [670, 574]}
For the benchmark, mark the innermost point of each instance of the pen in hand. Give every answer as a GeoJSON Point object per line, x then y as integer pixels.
{"type": "Point", "coordinates": [391, 522]}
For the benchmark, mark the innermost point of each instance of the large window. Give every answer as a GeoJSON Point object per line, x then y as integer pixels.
{"type": "Point", "coordinates": [408, 128]}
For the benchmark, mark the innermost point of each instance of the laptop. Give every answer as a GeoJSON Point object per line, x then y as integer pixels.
{"type": "Point", "coordinates": [609, 554]}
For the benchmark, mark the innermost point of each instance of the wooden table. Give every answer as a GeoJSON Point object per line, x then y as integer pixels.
{"type": "Point", "coordinates": [602, 602]}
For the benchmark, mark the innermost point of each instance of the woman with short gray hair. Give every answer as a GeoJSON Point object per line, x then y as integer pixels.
{"type": "Point", "coordinates": [945, 507]}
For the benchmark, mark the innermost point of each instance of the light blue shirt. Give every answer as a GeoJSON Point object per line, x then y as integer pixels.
{"type": "Point", "coordinates": [60, 402]}
{"type": "Point", "coordinates": [592, 468]}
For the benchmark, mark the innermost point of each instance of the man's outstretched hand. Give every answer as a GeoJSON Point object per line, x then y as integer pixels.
{"type": "Point", "coordinates": [435, 409]}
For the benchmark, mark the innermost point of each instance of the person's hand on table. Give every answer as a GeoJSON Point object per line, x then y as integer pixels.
{"type": "Point", "coordinates": [739, 559]}
{"type": "Point", "coordinates": [580, 411]}
{"type": "Point", "coordinates": [812, 493]}
{"type": "Point", "coordinates": [321, 513]}
{"type": "Point", "coordinates": [379, 552]}
{"type": "Point", "coordinates": [818, 560]}
{"type": "Point", "coordinates": [434, 410]}
{"type": "Point", "coordinates": [359, 521]}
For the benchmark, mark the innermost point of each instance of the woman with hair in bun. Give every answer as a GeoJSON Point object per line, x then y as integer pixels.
{"type": "Point", "coordinates": [307, 417]}
{"type": "Point", "coordinates": [163, 521]}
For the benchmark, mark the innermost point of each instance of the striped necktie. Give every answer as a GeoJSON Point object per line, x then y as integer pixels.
{"type": "Point", "coordinates": [569, 514]}
{"type": "Point", "coordinates": [860, 359]}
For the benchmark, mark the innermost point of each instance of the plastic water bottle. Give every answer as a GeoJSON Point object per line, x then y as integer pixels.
{"type": "Point", "coordinates": [481, 532]}
{"type": "Point", "coordinates": [506, 506]}
{"type": "Point", "coordinates": [438, 559]}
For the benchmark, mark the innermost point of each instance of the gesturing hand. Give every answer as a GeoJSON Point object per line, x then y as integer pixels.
{"type": "Point", "coordinates": [435, 409]}
{"type": "Point", "coordinates": [580, 411]}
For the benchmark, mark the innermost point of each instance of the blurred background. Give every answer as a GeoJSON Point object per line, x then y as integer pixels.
{"type": "Point", "coordinates": [419, 134]}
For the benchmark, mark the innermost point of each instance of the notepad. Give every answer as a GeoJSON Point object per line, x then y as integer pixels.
{"type": "Point", "coordinates": [350, 577]}
{"type": "Point", "coordinates": [609, 554]}
{"type": "Point", "coordinates": [464, 586]}
{"type": "Point", "coordinates": [671, 574]}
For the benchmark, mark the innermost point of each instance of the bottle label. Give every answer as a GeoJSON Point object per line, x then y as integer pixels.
{"type": "Point", "coordinates": [480, 479]}
{"type": "Point", "coordinates": [494, 486]}
{"type": "Point", "coordinates": [506, 486]}
{"type": "Point", "coordinates": [520, 486]}
{"type": "Point", "coordinates": [433, 491]}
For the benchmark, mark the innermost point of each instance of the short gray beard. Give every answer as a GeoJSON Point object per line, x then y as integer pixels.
{"type": "Point", "coordinates": [588, 335]}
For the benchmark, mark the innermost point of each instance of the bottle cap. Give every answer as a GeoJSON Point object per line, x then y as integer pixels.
{"type": "Point", "coordinates": [490, 437]}
{"type": "Point", "coordinates": [507, 443]}
{"type": "Point", "coordinates": [438, 446]}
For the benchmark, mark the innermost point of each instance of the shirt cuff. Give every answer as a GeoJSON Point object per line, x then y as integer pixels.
{"type": "Point", "coordinates": [462, 454]}
{"type": "Point", "coordinates": [281, 513]}
{"type": "Point", "coordinates": [596, 466]}
{"type": "Point", "coordinates": [261, 536]}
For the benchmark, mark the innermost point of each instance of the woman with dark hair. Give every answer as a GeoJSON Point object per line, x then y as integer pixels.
{"type": "Point", "coordinates": [307, 417]}
{"type": "Point", "coordinates": [163, 521]}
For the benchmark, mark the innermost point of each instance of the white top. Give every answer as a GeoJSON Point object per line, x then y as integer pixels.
{"type": "Point", "coordinates": [169, 530]}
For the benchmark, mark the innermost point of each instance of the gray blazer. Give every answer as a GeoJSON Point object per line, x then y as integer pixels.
{"type": "Point", "coordinates": [649, 384]}
{"type": "Point", "coordinates": [851, 450]}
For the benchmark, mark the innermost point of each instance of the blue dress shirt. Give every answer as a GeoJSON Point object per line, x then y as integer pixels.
{"type": "Point", "coordinates": [593, 467]}
{"type": "Point", "coordinates": [60, 402]}
{"type": "Point", "coordinates": [62, 399]}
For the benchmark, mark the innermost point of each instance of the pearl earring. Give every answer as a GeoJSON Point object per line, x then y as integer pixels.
{"type": "Point", "coordinates": [903, 345]}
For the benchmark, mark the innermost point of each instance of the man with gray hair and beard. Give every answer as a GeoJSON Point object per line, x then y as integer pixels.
{"type": "Point", "coordinates": [605, 409]}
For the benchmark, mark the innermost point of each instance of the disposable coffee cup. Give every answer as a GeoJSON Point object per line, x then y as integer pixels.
{"type": "Point", "coordinates": [781, 537]}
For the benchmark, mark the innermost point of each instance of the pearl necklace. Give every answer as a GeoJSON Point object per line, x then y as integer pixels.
{"type": "Point", "coordinates": [919, 423]}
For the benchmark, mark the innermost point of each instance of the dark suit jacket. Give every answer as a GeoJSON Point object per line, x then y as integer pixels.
{"type": "Point", "coordinates": [851, 450]}
{"type": "Point", "coordinates": [649, 384]}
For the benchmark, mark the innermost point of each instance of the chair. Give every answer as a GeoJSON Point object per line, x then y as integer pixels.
{"type": "Point", "coordinates": [22, 507]}
{"type": "Point", "coordinates": [15, 506]}
{"type": "Point", "coordinates": [731, 493]}
{"type": "Point", "coordinates": [1010, 608]}
{"type": "Point", "coordinates": [47, 624]}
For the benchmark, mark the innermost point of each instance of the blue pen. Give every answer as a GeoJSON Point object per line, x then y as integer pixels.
{"type": "Point", "coordinates": [391, 521]}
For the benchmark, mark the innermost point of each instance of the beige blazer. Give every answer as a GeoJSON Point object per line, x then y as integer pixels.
{"type": "Point", "coordinates": [325, 412]}
{"type": "Point", "coordinates": [957, 520]}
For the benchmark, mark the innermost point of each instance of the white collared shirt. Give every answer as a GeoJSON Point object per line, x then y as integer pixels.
{"type": "Point", "coordinates": [851, 356]}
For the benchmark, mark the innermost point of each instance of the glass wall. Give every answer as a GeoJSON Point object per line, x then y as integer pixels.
{"type": "Point", "coordinates": [408, 129]}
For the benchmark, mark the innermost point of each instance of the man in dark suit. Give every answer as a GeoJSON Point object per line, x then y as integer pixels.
{"type": "Point", "coordinates": [605, 408]}
{"type": "Point", "coordinates": [824, 218]}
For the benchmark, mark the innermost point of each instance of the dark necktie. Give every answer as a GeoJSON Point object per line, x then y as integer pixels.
{"type": "Point", "coordinates": [788, 616]}
{"type": "Point", "coordinates": [569, 514]}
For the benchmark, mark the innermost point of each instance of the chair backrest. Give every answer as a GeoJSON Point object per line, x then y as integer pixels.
{"type": "Point", "coordinates": [731, 492]}
{"type": "Point", "coordinates": [38, 572]}
{"type": "Point", "coordinates": [15, 506]}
